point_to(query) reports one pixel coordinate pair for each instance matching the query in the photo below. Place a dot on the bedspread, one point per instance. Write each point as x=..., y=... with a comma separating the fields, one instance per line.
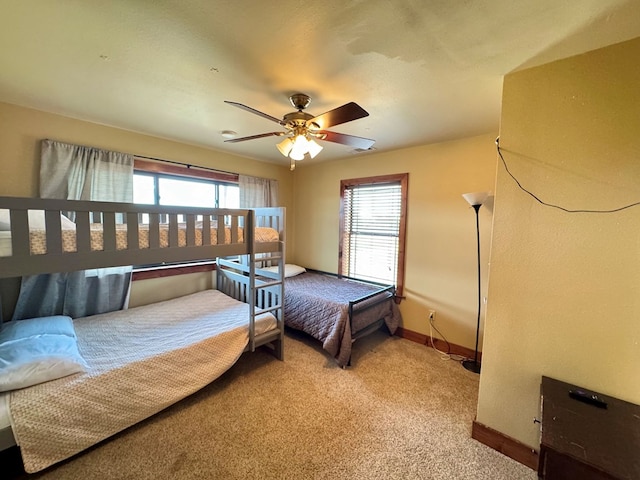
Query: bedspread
x=140, y=361
x=38, y=238
x=319, y=305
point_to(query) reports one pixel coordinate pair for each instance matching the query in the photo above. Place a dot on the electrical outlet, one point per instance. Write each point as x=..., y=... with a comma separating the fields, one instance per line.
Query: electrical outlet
x=432, y=315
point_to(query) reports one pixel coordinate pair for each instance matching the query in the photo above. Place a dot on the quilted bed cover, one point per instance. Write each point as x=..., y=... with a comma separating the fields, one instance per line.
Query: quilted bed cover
x=140, y=361
x=319, y=305
x=38, y=238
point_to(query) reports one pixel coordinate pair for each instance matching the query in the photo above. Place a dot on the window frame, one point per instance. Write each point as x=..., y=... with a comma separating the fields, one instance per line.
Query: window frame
x=403, y=180
x=150, y=167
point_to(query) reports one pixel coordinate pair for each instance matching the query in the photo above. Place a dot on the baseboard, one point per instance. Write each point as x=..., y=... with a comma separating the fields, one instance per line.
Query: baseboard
x=492, y=438
x=506, y=445
x=441, y=345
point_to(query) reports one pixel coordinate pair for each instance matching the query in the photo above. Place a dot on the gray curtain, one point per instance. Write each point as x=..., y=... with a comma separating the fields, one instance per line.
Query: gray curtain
x=75, y=172
x=257, y=192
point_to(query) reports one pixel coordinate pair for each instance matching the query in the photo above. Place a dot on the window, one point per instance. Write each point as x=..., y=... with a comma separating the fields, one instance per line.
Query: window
x=162, y=184
x=372, y=229
x=168, y=185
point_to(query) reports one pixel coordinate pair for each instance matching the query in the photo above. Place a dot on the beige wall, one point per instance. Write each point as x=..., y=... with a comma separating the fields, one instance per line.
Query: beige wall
x=441, y=271
x=154, y=290
x=563, y=288
x=21, y=130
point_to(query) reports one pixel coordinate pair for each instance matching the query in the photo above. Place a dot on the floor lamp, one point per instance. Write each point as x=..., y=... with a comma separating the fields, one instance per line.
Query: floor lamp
x=476, y=200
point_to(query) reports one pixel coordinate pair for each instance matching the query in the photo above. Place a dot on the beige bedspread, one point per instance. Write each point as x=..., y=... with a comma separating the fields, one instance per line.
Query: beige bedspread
x=140, y=361
x=38, y=238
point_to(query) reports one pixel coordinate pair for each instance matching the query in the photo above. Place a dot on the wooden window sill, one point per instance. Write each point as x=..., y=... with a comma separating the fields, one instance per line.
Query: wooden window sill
x=146, y=273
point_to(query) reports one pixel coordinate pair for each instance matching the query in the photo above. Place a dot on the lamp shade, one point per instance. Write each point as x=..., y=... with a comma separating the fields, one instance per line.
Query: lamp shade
x=314, y=148
x=300, y=147
x=285, y=146
x=476, y=198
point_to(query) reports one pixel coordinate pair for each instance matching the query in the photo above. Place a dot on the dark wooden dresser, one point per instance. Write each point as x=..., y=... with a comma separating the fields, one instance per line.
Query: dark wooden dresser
x=581, y=441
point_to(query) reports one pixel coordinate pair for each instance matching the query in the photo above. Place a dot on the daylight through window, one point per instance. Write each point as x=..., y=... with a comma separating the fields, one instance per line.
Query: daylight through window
x=373, y=228
x=168, y=185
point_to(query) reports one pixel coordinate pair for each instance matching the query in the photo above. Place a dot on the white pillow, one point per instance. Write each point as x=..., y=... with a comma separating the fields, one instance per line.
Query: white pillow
x=37, y=359
x=54, y=325
x=290, y=270
x=36, y=220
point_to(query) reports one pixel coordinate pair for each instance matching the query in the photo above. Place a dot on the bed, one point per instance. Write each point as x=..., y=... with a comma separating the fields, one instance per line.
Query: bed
x=337, y=311
x=141, y=360
x=39, y=238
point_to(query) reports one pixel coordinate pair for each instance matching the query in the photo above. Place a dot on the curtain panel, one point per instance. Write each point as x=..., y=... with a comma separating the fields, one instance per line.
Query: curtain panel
x=257, y=192
x=74, y=172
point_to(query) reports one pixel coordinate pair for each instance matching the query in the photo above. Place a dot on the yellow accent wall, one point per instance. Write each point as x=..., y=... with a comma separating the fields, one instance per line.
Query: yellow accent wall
x=21, y=130
x=564, y=288
x=441, y=252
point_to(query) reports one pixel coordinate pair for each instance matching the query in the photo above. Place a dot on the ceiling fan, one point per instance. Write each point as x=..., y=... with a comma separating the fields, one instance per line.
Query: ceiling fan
x=302, y=129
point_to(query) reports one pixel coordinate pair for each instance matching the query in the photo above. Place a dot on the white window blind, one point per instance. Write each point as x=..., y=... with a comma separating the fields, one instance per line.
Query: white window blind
x=372, y=231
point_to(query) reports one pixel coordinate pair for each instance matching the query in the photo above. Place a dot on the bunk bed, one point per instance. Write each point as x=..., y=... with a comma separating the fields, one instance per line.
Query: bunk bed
x=337, y=310
x=134, y=363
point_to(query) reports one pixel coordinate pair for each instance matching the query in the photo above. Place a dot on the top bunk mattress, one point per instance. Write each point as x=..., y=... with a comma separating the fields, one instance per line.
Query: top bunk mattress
x=38, y=238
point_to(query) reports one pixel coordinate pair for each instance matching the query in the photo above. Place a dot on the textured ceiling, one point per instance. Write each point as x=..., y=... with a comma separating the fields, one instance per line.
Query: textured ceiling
x=426, y=71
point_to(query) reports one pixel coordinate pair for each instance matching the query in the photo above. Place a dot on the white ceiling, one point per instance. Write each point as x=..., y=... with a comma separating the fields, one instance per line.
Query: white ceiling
x=426, y=71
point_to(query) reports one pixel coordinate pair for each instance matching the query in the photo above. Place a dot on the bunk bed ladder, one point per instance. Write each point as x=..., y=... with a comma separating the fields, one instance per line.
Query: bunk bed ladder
x=250, y=239
x=262, y=290
x=269, y=296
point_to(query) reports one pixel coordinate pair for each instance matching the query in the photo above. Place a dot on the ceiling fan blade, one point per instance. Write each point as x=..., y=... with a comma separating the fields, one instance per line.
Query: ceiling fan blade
x=350, y=140
x=253, y=137
x=346, y=113
x=254, y=111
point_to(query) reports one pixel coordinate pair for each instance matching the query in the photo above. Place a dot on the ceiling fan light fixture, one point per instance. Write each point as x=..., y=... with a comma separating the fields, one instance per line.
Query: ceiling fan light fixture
x=296, y=155
x=300, y=147
x=314, y=148
x=285, y=146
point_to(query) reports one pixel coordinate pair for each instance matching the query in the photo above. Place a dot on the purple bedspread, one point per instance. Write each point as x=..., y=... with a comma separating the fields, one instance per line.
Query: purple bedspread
x=319, y=305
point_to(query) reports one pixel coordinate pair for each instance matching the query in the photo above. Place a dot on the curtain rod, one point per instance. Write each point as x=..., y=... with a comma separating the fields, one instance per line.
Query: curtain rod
x=188, y=165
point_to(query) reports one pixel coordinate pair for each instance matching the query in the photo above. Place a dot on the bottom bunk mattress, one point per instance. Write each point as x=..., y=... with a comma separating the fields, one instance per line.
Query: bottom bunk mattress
x=318, y=304
x=140, y=361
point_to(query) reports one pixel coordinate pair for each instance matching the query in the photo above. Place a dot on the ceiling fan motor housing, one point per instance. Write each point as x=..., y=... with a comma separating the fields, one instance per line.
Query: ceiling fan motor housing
x=300, y=101
x=296, y=119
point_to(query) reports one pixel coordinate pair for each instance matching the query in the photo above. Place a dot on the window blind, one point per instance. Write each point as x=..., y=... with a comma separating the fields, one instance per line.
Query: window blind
x=372, y=231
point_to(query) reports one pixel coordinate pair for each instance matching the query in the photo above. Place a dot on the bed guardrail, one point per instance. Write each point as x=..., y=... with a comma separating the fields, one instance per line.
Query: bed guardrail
x=35, y=236
x=365, y=302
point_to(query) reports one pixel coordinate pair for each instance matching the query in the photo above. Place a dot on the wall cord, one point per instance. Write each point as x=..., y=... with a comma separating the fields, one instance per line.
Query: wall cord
x=567, y=210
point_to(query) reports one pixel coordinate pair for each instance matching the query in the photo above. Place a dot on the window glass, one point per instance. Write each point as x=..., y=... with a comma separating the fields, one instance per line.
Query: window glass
x=144, y=190
x=187, y=193
x=229, y=196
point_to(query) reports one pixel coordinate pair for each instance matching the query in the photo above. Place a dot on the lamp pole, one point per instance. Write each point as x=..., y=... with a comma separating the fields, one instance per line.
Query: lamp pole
x=476, y=200
x=474, y=365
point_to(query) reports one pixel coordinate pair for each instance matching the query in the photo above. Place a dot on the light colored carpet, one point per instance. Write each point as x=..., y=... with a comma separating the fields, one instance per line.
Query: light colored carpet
x=400, y=412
